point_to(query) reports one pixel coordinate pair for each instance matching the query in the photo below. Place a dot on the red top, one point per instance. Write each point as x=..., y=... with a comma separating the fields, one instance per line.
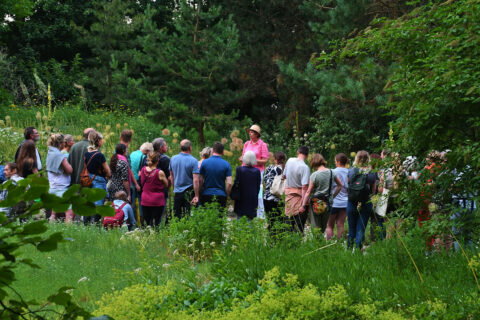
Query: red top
x=152, y=189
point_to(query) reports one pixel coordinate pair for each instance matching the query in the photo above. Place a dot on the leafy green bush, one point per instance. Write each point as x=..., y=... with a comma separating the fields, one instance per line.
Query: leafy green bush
x=198, y=235
x=277, y=296
x=33, y=193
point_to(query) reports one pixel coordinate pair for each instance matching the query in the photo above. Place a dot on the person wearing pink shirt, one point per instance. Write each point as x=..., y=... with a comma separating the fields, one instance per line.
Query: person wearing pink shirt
x=260, y=148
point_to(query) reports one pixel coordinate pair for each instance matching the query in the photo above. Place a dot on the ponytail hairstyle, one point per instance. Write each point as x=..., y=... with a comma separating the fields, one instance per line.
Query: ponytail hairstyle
x=153, y=158
x=94, y=138
x=55, y=140
x=119, y=150
x=361, y=159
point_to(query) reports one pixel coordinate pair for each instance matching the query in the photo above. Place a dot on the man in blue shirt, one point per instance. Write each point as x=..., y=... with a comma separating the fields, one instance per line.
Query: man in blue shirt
x=184, y=179
x=213, y=173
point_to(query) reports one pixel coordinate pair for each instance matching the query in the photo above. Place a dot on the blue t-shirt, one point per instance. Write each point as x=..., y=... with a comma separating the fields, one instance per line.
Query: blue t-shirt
x=214, y=171
x=183, y=166
x=136, y=159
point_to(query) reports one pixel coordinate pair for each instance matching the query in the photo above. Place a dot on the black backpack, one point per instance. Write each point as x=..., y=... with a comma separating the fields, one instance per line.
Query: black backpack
x=358, y=188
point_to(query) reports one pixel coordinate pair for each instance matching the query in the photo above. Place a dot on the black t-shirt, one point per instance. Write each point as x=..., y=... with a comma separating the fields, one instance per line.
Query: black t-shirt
x=96, y=163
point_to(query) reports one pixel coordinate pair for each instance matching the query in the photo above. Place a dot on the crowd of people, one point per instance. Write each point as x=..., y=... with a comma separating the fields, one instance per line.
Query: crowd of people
x=325, y=197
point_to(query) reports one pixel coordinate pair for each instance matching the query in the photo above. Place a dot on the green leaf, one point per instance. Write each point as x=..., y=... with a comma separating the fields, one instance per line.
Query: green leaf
x=72, y=191
x=105, y=211
x=35, y=192
x=50, y=200
x=51, y=243
x=61, y=207
x=87, y=209
x=94, y=194
x=61, y=298
x=35, y=227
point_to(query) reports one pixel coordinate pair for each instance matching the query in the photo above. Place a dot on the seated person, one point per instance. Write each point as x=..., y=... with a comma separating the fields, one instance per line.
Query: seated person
x=129, y=218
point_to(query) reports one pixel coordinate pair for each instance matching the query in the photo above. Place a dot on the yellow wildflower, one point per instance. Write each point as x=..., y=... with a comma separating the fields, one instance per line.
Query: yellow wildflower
x=332, y=146
x=227, y=153
x=2, y=123
x=44, y=118
x=174, y=140
x=175, y=135
x=98, y=125
x=38, y=115
x=118, y=126
x=125, y=124
x=353, y=154
x=166, y=132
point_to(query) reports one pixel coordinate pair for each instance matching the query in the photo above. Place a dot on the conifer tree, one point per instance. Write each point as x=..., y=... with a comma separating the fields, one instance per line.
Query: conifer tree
x=191, y=67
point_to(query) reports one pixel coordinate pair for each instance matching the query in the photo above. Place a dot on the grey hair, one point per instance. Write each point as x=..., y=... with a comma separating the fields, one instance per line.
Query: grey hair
x=147, y=146
x=158, y=143
x=249, y=158
x=68, y=137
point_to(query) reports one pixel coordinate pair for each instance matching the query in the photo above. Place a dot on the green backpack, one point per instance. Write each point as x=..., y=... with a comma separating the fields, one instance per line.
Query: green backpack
x=358, y=188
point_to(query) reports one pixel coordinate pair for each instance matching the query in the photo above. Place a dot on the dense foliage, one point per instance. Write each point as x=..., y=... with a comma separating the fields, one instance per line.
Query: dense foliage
x=201, y=63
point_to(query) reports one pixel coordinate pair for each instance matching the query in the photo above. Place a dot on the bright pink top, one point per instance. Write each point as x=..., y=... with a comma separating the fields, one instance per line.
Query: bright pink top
x=260, y=149
x=152, y=189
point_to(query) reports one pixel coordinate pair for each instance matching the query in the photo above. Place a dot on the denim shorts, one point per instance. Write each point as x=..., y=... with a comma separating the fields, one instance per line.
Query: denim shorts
x=334, y=211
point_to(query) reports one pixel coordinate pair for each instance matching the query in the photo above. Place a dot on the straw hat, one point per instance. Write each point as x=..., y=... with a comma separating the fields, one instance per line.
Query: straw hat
x=255, y=128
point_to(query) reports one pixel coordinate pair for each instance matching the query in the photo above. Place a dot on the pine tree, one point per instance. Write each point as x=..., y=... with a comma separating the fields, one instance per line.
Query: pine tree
x=191, y=67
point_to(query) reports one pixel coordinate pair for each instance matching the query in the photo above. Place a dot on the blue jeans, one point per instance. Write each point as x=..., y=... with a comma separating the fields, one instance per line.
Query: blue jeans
x=357, y=222
x=99, y=183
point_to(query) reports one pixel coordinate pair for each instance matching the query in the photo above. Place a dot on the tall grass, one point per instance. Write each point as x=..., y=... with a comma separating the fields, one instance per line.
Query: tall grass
x=73, y=119
x=95, y=261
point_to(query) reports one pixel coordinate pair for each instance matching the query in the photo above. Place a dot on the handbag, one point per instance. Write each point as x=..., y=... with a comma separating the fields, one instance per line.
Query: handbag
x=278, y=186
x=235, y=192
x=382, y=204
x=320, y=202
x=85, y=180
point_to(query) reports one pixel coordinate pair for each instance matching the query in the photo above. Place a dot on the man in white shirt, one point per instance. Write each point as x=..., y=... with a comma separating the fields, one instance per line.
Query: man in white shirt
x=297, y=174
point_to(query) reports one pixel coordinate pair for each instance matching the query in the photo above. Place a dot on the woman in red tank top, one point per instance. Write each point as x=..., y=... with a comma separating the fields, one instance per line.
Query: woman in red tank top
x=153, y=182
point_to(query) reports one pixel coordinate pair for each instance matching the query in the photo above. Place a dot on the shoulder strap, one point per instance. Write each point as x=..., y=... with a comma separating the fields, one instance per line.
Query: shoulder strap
x=90, y=159
x=123, y=205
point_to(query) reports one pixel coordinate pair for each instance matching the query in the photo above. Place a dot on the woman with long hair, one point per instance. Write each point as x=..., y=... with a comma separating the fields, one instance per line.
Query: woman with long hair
x=97, y=168
x=59, y=171
x=120, y=180
x=153, y=182
x=27, y=159
x=320, y=188
x=361, y=185
x=338, y=214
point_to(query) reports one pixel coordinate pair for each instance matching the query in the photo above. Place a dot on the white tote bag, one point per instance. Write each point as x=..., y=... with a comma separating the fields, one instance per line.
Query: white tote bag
x=278, y=186
x=381, y=208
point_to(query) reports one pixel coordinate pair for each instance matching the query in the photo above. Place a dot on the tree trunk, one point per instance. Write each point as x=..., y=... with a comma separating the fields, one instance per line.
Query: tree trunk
x=201, y=135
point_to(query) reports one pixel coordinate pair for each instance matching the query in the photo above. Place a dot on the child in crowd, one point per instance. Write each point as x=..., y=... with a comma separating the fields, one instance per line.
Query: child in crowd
x=120, y=199
x=10, y=173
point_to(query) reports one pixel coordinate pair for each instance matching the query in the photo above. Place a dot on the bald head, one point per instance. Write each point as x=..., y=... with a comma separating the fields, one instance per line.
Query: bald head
x=86, y=132
x=185, y=146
